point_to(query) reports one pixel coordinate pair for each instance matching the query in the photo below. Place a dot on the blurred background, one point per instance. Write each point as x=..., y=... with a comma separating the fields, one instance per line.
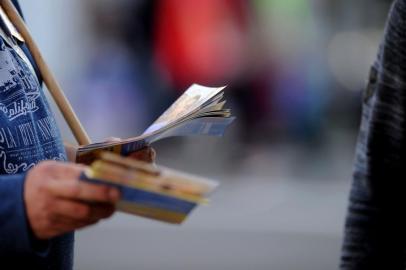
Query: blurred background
x=295, y=71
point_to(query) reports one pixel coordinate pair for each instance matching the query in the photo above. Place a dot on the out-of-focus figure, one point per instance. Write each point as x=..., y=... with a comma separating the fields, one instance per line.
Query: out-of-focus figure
x=201, y=41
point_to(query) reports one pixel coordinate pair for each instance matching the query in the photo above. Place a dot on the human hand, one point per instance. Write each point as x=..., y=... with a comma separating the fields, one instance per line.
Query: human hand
x=71, y=151
x=146, y=154
x=57, y=202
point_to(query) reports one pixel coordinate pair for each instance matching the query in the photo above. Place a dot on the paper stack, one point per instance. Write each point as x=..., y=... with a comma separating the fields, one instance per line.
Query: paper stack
x=199, y=111
x=150, y=191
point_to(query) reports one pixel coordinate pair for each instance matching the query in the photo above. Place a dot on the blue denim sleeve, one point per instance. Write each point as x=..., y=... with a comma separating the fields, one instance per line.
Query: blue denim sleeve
x=16, y=237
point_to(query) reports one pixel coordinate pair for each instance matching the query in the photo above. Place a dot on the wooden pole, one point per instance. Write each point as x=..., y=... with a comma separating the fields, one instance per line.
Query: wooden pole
x=49, y=79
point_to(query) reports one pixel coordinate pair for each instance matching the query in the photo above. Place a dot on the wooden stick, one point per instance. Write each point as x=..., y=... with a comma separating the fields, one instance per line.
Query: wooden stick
x=49, y=79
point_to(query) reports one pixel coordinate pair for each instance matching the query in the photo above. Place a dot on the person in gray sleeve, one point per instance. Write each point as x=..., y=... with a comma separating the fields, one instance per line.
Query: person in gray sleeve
x=375, y=230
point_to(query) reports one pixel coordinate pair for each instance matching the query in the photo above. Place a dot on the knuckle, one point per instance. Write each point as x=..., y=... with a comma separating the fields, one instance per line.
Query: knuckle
x=60, y=169
x=45, y=187
x=91, y=191
x=75, y=190
x=99, y=192
x=69, y=171
x=103, y=192
x=48, y=165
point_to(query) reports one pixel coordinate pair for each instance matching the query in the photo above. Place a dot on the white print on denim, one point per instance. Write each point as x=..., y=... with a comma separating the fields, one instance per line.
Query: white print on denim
x=22, y=140
x=28, y=132
x=19, y=88
x=11, y=168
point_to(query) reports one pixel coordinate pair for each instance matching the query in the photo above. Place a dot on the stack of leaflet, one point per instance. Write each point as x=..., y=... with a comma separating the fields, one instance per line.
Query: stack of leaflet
x=199, y=111
x=149, y=191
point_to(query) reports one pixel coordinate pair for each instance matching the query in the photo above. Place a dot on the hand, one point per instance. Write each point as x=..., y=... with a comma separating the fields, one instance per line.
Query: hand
x=146, y=154
x=71, y=151
x=57, y=202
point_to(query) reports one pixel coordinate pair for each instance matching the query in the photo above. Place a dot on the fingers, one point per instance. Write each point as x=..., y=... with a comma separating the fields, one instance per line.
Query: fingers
x=146, y=154
x=81, y=213
x=69, y=216
x=78, y=190
x=71, y=151
x=112, y=139
x=60, y=170
x=59, y=226
x=66, y=185
x=101, y=211
x=62, y=225
x=58, y=202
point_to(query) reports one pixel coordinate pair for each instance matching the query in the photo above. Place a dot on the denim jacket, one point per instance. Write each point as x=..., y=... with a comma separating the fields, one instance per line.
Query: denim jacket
x=28, y=135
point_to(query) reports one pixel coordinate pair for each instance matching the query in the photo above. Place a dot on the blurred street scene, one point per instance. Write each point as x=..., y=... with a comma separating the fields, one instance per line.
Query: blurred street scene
x=295, y=71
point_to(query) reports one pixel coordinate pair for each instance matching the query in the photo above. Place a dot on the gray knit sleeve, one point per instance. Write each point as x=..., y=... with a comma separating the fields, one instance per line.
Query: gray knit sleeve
x=375, y=230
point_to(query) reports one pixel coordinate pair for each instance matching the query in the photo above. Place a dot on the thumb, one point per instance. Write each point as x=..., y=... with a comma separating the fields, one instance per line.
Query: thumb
x=112, y=139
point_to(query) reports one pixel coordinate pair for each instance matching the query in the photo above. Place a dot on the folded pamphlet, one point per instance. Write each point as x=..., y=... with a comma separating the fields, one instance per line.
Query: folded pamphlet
x=199, y=111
